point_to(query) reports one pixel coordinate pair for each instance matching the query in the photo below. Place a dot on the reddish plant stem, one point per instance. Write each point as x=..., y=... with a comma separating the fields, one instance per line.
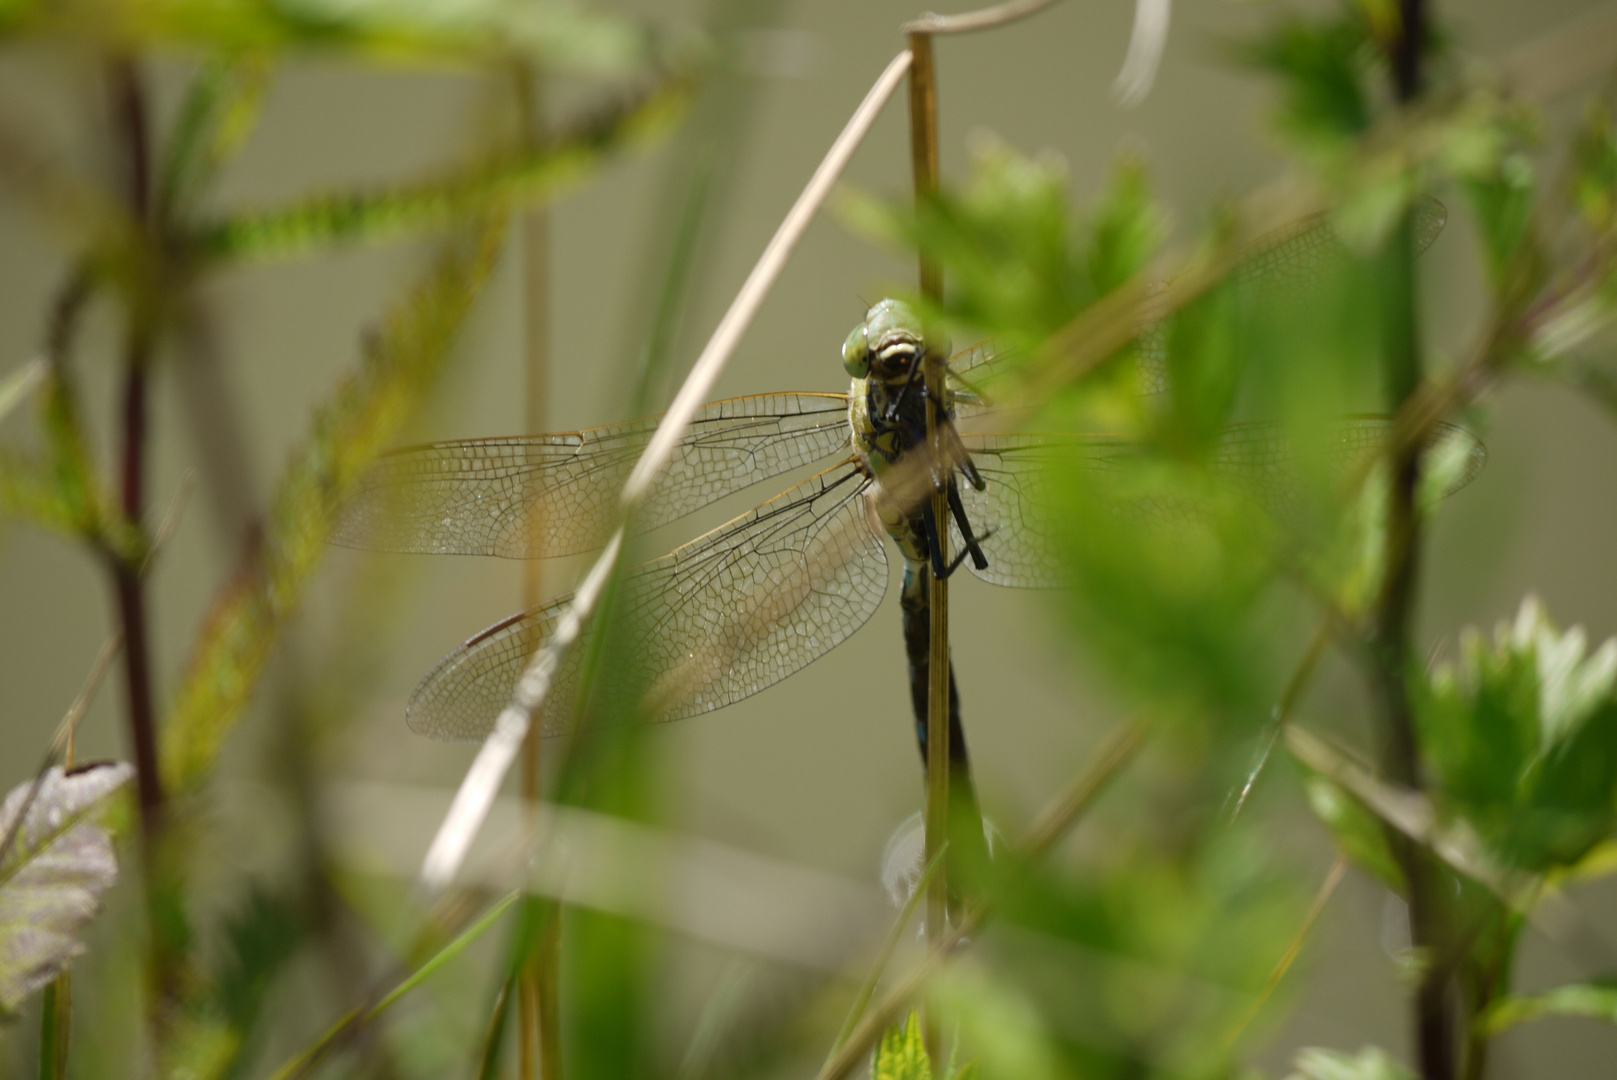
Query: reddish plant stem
x=129, y=115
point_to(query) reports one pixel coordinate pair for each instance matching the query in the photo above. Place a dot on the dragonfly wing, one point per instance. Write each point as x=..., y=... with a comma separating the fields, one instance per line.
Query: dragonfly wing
x=1281, y=263
x=716, y=620
x=759, y=599
x=1019, y=542
x=1260, y=455
x=543, y=495
x=1009, y=513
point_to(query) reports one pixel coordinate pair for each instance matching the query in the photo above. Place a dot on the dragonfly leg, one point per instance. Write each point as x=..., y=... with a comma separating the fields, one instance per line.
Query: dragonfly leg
x=962, y=456
x=945, y=571
x=973, y=543
x=934, y=539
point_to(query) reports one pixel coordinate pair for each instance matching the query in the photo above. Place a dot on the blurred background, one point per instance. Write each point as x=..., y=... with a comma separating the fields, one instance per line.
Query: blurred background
x=792, y=771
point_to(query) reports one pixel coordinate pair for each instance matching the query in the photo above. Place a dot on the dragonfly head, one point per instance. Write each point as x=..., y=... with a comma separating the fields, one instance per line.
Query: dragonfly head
x=887, y=346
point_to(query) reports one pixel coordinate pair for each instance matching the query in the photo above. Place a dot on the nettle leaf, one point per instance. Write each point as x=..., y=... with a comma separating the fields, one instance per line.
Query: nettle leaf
x=1592, y=1000
x=59, y=862
x=1020, y=262
x=1323, y=70
x=902, y=1054
x=1522, y=738
x=1371, y=1063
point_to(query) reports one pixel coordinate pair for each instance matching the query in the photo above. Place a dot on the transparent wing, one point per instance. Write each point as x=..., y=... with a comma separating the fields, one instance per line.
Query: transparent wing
x=1009, y=513
x=1281, y=262
x=543, y=495
x=716, y=620
x=1018, y=469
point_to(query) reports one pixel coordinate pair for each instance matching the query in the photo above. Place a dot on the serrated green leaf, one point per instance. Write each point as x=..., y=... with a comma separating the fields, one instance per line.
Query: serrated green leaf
x=558, y=36
x=1371, y=1063
x=1322, y=71
x=522, y=177
x=901, y=1055
x=1020, y=262
x=1521, y=735
x=363, y=416
x=1593, y=1000
x=58, y=863
x=220, y=109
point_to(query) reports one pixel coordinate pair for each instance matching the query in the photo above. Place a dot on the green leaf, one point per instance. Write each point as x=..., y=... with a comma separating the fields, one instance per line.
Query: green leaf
x=516, y=177
x=901, y=1054
x=1357, y=829
x=29, y=492
x=1521, y=736
x=359, y=423
x=1322, y=68
x=561, y=37
x=220, y=110
x=59, y=861
x=1593, y=1000
x=1371, y=1063
x=1502, y=202
x=1020, y=263
x=1594, y=164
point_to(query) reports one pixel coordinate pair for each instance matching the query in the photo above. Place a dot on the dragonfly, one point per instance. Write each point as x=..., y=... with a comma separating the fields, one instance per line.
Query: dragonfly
x=760, y=597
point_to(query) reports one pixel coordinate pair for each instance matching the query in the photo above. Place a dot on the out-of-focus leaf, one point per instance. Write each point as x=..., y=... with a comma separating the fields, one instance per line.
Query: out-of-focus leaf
x=1148, y=960
x=28, y=492
x=1358, y=831
x=1503, y=206
x=1593, y=1000
x=1594, y=176
x=1021, y=265
x=1323, y=68
x=1521, y=738
x=59, y=862
x=992, y=1018
x=1371, y=1063
x=347, y=435
x=218, y=1030
x=520, y=177
x=220, y=109
x=1413, y=814
x=1170, y=561
x=561, y=37
x=901, y=1055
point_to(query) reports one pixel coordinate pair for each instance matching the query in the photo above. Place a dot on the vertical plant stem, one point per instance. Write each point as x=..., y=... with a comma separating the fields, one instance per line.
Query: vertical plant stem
x=130, y=120
x=924, y=152
x=1434, y=1020
x=54, y=1022
x=538, y=1023
x=924, y=161
x=126, y=563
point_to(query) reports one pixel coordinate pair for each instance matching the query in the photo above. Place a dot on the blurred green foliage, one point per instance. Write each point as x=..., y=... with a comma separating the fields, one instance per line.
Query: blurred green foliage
x=1229, y=444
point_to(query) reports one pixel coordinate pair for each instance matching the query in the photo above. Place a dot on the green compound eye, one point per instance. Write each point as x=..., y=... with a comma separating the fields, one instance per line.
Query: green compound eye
x=856, y=353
